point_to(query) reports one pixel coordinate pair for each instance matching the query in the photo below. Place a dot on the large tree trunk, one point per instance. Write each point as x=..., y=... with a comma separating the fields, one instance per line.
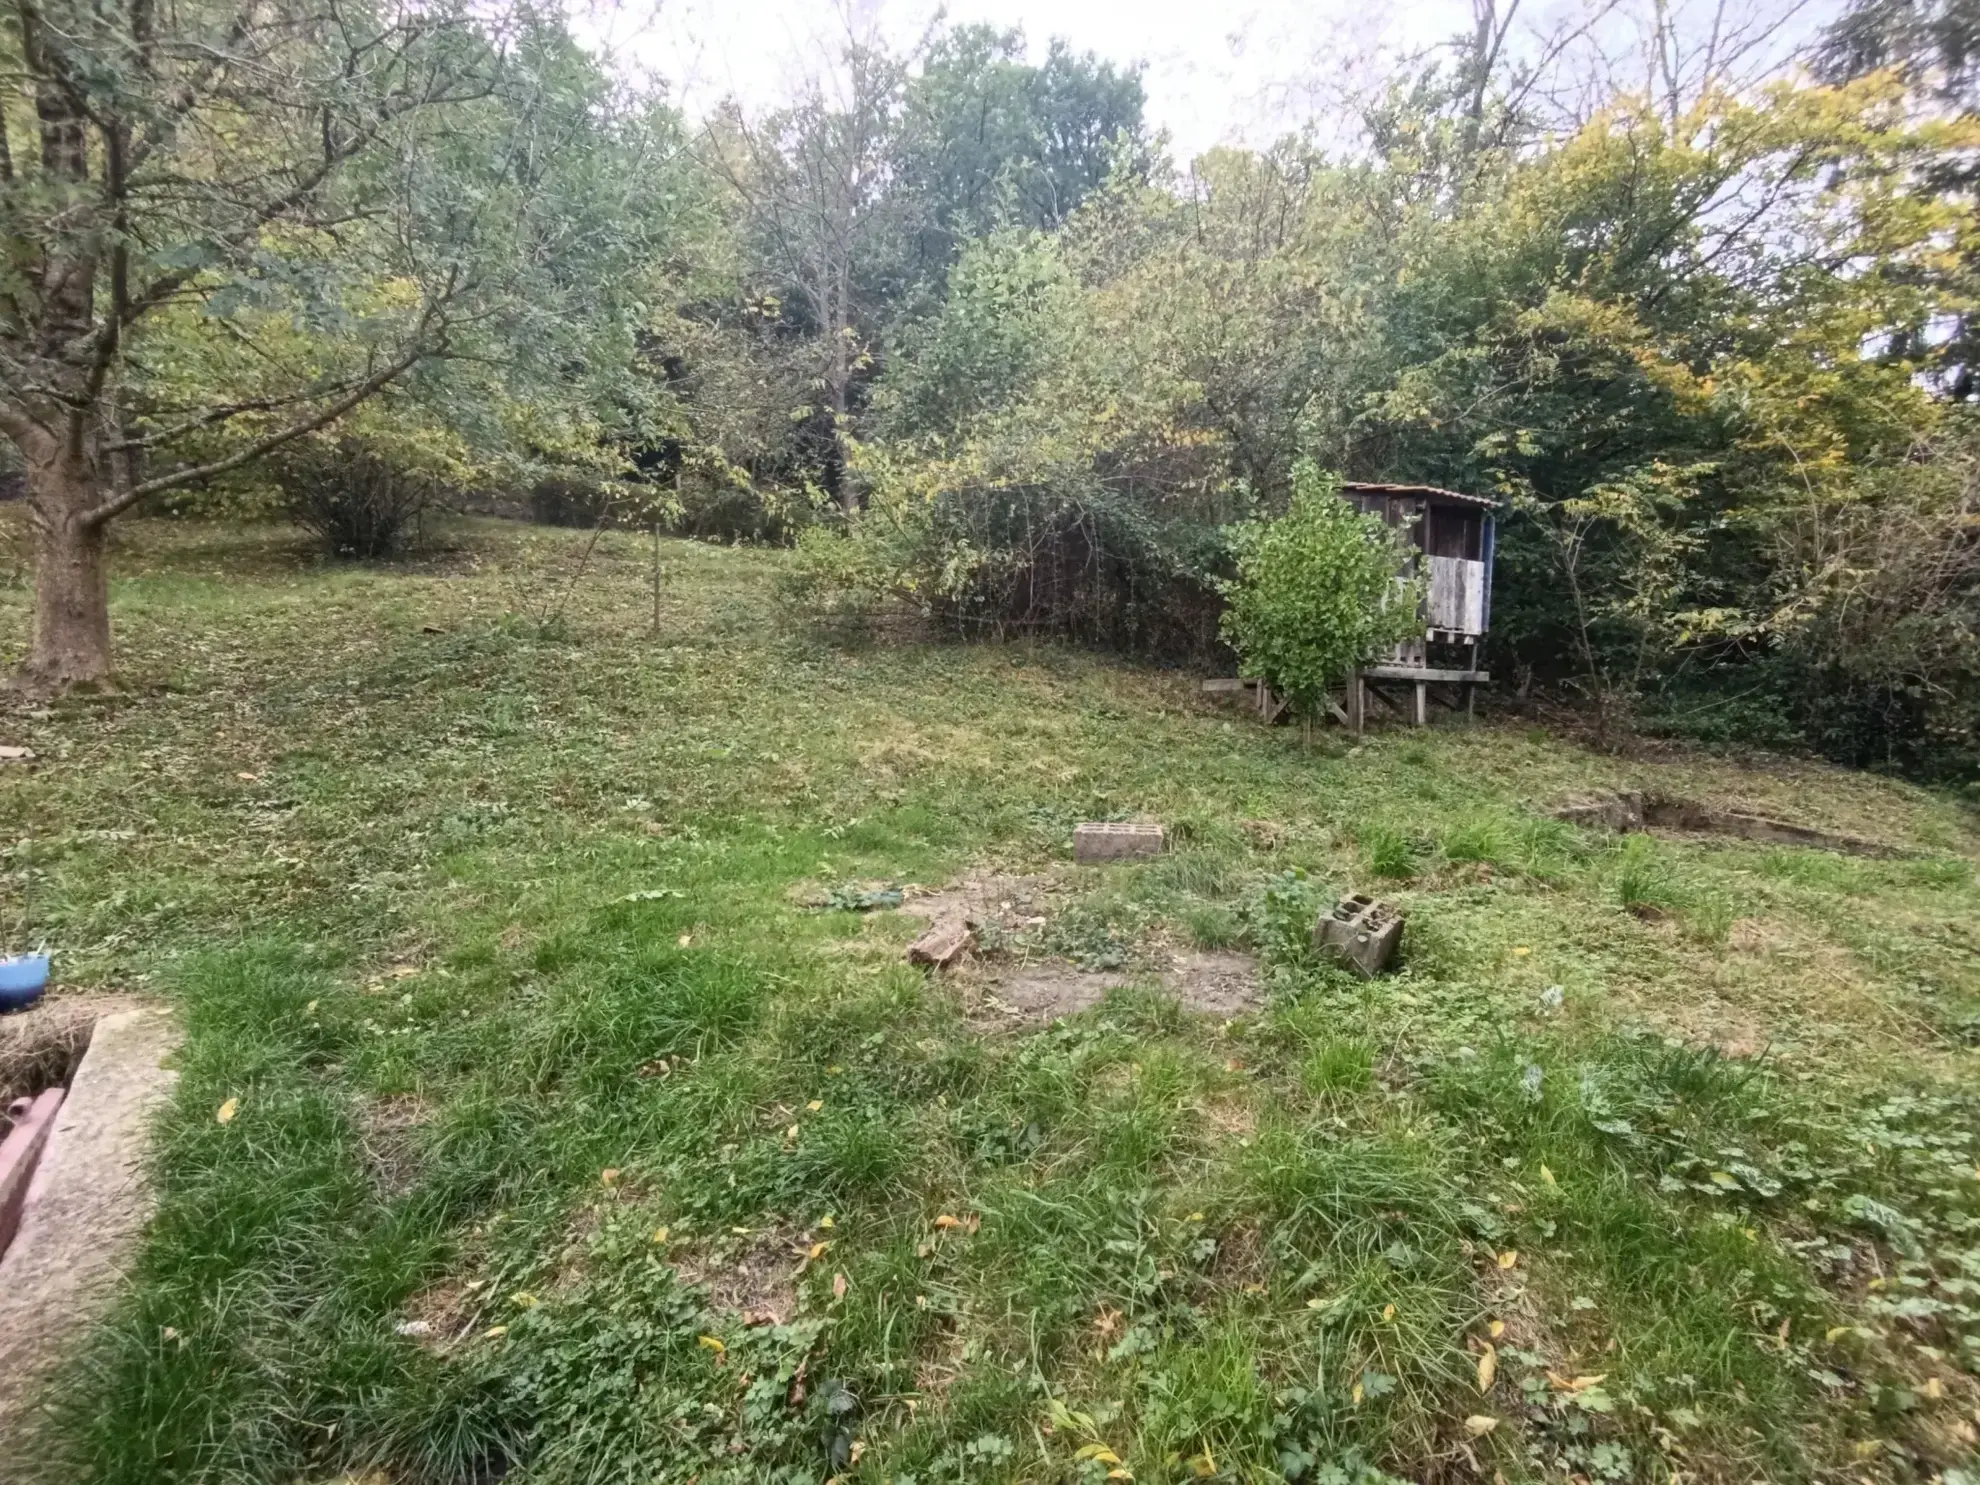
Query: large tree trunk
x=71, y=582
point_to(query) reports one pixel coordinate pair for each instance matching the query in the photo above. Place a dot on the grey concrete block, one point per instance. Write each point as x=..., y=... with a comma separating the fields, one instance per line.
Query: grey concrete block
x=1360, y=932
x=1096, y=841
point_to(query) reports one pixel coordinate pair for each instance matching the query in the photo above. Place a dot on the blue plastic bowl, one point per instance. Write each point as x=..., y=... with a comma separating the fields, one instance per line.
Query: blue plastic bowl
x=22, y=979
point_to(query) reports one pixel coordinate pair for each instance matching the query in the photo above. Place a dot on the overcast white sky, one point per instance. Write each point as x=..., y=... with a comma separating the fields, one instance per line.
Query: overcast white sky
x=1214, y=71
x=1240, y=71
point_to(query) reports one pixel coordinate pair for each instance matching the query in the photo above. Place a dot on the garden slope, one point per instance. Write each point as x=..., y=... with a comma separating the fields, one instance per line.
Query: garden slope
x=584, y=1134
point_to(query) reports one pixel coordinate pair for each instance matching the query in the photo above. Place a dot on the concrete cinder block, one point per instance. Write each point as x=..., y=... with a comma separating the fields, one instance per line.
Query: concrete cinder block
x=1360, y=932
x=1096, y=841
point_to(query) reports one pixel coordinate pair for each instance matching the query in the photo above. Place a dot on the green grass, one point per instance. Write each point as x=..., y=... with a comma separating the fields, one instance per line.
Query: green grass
x=518, y=945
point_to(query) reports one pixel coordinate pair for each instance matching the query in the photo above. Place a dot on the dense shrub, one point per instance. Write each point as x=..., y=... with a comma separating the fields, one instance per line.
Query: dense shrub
x=360, y=500
x=559, y=501
x=1316, y=592
x=1064, y=560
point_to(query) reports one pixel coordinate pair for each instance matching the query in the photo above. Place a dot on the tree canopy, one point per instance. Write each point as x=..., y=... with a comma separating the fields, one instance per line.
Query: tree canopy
x=1696, y=311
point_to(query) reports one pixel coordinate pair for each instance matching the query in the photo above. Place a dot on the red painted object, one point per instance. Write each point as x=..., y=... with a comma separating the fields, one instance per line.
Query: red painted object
x=20, y=1153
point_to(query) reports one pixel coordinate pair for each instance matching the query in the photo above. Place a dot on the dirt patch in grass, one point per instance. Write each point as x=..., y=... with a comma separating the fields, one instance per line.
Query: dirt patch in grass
x=754, y=1276
x=1036, y=993
x=445, y=1315
x=1630, y=810
x=1010, y=903
x=1221, y=984
x=389, y=1132
x=1217, y=982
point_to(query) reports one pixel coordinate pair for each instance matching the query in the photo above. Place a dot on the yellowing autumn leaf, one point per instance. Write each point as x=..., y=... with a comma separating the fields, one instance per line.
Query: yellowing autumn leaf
x=1488, y=1368
x=825, y=1221
x=1097, y=1451
x=522, y=1299
x=227, y=1111
x=946, y=1221
x=1509, y=1258
x=815, y=1105
x=1496, y=1329
x=1522, y=951
x=1934, y=1388
x=494, y=1332
x=1357, y=1394
x=1120, y=1472
x=659, y=1234
x=1388, y=1313
x=1480, y=1424
x=711, y=1343
x=609, y=1176
x=817, y=1252
x=1548, y=1176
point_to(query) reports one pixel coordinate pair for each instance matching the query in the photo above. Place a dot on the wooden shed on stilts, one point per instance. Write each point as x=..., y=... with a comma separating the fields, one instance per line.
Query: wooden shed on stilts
x=1454, y=537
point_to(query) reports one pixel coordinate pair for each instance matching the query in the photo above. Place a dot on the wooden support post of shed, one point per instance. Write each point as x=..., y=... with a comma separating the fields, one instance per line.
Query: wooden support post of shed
x=1419, y=711
x=1357, y=703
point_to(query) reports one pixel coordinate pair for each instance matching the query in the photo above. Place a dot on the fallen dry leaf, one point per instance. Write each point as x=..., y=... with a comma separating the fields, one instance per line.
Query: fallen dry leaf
x=1509, y=1258
x=1488, y=1368
x=609, y=1176
x=227, y=1111
x=1480, y=1424
x=1496, y=1329
x=838, y=1286
x=945, y=1221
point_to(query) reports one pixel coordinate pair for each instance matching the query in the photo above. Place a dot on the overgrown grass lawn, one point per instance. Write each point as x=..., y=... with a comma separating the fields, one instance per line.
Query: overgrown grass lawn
x=587, y=1130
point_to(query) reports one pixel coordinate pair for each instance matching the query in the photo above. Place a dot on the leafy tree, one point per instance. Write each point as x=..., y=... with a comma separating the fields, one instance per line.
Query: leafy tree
x=814, y=181
x=241, y=223
x=989, y=141
x=1317, y=593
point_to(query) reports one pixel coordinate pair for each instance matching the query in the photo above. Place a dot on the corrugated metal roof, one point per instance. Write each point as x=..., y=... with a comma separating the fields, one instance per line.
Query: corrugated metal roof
x=1429, y=492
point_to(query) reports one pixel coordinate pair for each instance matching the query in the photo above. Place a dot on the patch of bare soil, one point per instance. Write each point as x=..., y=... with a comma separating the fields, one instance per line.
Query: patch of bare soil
x=388, y=1130
x=754, y=1276
x=1632, y=810
x=991, y=900
x=1217, y=982
x=1037, y=992
x=443, y=1316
